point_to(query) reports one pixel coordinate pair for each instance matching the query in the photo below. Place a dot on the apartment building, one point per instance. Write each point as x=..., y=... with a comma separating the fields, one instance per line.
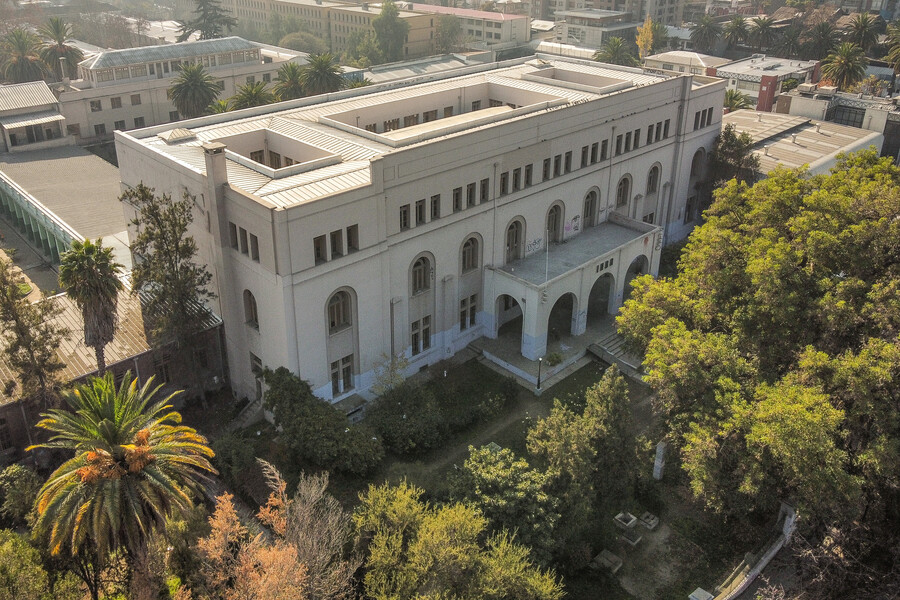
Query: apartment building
x=128, y=89
x=592, y=27
x=669, y=12
x=483, y=28
x=759, y=77
x=416, y=218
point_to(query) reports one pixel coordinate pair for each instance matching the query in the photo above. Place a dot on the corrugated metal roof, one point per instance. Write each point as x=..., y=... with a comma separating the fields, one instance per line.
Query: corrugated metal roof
x=39, y=118
x=145, y=54
x=25, y=95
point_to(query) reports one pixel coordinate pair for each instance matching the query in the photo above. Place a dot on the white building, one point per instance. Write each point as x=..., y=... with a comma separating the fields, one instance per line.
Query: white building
x=417, y=218
x=30, y=118
x=127, y=89
x=683, y=61
x=593, y=27
x=759, y=77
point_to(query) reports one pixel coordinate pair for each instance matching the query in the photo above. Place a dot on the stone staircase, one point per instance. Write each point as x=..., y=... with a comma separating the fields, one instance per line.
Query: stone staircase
x=611, y=348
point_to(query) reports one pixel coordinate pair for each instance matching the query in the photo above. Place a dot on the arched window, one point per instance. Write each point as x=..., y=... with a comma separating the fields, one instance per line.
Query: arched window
x=470, y=255
x=653, y=181
x=554, y=224
x=251, y=316
x=339, y=315
x=623, y=191
x=590, y=209
x=697, y=164
x=513, y=241
x=421, y=276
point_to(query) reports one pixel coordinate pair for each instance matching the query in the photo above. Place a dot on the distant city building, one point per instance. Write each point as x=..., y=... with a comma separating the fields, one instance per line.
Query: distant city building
x=30, y=118
x=484, y=28
x=760, y=77
x=683, y=61
x=593, y=27
x=128, y=89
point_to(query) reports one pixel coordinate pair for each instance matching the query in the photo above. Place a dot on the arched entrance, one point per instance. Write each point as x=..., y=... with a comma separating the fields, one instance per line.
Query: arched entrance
x=515, y=241
x=563, y=317
x=639, y=266
x=554, y=224
x=600, y=299
x=509, y=318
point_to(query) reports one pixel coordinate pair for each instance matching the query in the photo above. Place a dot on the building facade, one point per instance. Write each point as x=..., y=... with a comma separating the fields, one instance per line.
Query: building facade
x=759, y=77
x=414, y=219
x=30, y=118
x=128, y=89
x=593, y=28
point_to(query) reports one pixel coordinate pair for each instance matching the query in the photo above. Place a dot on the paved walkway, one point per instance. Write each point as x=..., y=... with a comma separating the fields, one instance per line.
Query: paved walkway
x=40, y=273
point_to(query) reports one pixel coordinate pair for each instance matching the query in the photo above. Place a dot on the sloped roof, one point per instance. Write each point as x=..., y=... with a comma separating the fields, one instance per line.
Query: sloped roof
x=145, y=54
x=25, y=95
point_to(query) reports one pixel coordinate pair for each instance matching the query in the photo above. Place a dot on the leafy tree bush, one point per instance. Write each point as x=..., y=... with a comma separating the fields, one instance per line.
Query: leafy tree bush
x=19, y=486
x=314, y=431
x=21, y=575
x=409, y=419
x=235, y=454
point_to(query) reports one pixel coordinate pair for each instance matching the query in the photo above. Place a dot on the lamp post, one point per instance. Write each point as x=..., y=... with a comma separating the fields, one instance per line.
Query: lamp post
x=540, y=362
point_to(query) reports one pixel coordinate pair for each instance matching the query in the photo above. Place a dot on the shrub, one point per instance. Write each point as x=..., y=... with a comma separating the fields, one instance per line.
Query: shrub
x=554, y=358
x=235, y=454
x=409, y=419
x=19, y=487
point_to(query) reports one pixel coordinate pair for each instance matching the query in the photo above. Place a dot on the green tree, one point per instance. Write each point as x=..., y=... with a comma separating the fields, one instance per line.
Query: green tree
x=735, y=100
x=302, y=41
x=845, y=66
x=250, y=95
x=193, y=90
x=616, y=52
x=289, y=82
x=863, y=31
x=790, y=42
x=19, y=487
x=321, y=75
x=363, y=50
x=90, y=275
x=822, y=40
x=20, y=57
x=390, y=32
x=31, y=338
x=705, y=33
x=660, y=36
x=736, y=31
x=511, y=495
x=893, y=43
x=762, y=31
x=447, y=34
x=134, y=465
x=732, y=156
x=219, y=107
x=414, y=549
x=22, y=577
x=173, y=286
x=57, y=45
x=211, y=20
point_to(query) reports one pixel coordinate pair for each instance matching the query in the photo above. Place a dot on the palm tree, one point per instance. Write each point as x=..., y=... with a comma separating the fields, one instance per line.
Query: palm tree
x=193, y=90
x=822, y=40
x=736, y=31
x=893, y=34
x=20, y=59
x=321, y=75
x=705, y=33
x=616, y=52
x=57, y=36
x=791, y=42
x=252, y=94
x=660, y=36
x=734, y=100
x=134, y=466
x=219, y=106
x=289, y=83
x=90, y=276
x=863, y=31
x=762, y=31
x=845, y=66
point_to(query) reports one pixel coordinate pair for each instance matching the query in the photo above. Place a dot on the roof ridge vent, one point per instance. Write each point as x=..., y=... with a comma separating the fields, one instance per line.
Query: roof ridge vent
x=179, y=134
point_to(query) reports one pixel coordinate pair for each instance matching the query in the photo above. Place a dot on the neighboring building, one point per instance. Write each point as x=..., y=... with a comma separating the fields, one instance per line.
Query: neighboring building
x=592, y=27
x=759, y=77
x=30, y=118
x=484, y=28
x=128, y=89
x=346, y=19
x=414, y=219
x=785, y=140
x=682, y=61
x=881, y=115
x=429, y=66
x=679, y=38
x=669, y=12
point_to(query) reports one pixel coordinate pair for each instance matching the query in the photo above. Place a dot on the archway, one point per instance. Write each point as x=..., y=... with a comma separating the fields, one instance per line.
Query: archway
x=554, y=224
x=639, y=266
x=509, y=319
x=562, y=320
x=515, y=241
x=600, y=299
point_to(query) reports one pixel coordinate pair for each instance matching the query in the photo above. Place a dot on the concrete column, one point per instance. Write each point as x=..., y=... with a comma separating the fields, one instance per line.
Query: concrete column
x=448, y=328
x=579, y=319
x=534, y=330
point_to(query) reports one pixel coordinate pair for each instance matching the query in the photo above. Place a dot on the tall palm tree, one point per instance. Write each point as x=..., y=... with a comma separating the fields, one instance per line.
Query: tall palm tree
x=90, y=276
x=20, y=59
x=252, y=94
x=616, y=52
x=736, y=31
x=845, y=66
x=705, y=33
x=193, y=90
x=735, y=100
x=660, y=36
x=762, y=30
x=893, y=34
x=134, y=466
x=790, y=43
x=57, y=45
x=863, y=31
x=321, y=75
x=822, y=40
x=289, y=82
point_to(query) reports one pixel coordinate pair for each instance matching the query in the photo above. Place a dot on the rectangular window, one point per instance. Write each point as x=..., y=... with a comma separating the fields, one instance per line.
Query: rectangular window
x=274, y=160
x=618, y=144
x=267, y=77
x=649, y=218
x=342, y=375
x=392, y=124
x=426, y=332
x=546, y=172
x=115, y=102
x=528, y=169
x=470, y=195
x=448, y=111
x=173, y=115
x=628, y=142
x=429, y=115
x=242, y=237
x=650, y=133
x=468, y=309
x=637, y=138
x=657, y=132
x=436, y=207
x=119, y=125
x=595, y=147
x=404, y=217
x=254, y=247
x=504, y=183
x=251, y=80
x=696, y=120
x=135, y=99
x=420, y=212
x=666, y=129
x=352, y=238
x=476, y=105
x=96, y=106
x=161, y=364
x=457, y=199
x=517, y=179
x=568, y=162
x=690, y=209
x=318, y=249
x=258, y=156
x=138, y=122
x=485, y=190
x=100, y=129
x=604, y=150
x=415, y=337
x=337, y=243
x=233, y=235
x=557, y=165
x=584, y=156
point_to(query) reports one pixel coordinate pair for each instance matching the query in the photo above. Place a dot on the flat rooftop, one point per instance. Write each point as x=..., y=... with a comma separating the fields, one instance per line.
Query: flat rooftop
x=593, y=243
x=80, y=188
x=465, y=13
x=759, y=64
x=685, y=57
